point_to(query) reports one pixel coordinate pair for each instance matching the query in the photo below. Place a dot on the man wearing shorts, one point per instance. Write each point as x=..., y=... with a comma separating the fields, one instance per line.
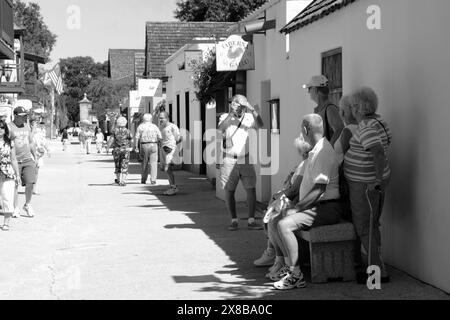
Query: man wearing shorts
x=319, y=200
x=235, y=127
x=171, y=138
x=22, y=138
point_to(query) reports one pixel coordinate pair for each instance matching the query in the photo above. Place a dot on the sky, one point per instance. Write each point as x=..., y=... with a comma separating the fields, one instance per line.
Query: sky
x=103, y=24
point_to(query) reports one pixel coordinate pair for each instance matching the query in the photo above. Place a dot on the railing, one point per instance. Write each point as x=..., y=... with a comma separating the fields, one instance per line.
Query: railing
x=7, y=22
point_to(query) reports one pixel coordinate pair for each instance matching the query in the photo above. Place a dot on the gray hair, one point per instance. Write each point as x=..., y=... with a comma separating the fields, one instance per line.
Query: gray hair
x=314, y=123
x=148, y=117
x=365, y=101
x=302, y=146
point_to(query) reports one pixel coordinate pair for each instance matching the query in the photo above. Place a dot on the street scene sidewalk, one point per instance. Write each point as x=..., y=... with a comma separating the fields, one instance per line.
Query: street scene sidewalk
x=94, y=240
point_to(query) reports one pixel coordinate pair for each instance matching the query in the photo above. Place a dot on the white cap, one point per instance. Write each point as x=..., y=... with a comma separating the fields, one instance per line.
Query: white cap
x=317, y=81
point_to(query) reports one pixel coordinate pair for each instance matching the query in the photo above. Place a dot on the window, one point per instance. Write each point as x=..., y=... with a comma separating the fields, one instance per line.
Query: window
x=178, y=110
x=188, y=118
x=275, y=116
x=332, y=69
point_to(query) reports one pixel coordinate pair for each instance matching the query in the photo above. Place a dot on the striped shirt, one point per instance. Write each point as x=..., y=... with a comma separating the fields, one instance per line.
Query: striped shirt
x=359, y=163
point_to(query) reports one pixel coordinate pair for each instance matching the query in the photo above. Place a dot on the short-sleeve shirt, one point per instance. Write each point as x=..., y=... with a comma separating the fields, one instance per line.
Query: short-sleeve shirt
x=6, y=168
x=122, y=138
x=321, y=167
x=148, y=132
x=22, y=141
x=238, y=135
x=359, y=164
x=170, y=135
x=323, y=111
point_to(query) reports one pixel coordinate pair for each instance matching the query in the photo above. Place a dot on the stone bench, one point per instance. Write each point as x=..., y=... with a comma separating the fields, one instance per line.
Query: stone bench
x=331, y=252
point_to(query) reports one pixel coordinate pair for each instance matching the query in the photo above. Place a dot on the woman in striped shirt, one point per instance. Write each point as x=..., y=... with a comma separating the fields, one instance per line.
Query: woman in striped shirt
x=367, y=171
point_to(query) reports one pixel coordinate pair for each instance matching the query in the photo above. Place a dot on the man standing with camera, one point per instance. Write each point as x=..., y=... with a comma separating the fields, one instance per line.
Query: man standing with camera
x=235, y=127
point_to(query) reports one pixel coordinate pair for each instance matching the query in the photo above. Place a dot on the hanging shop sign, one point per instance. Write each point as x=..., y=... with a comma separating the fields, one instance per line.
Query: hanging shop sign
x=235, y=54
x=150, y=88
x=192, y=58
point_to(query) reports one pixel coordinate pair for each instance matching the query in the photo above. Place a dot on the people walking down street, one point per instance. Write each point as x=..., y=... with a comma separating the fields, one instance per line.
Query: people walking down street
x=99, y=139
x=367, y=171
x=235, y=127
x=82, y=139
x=171, y=138
x=42, y=149
x=21, y=137
x=89, y=137
x=319, y=91
x=9, y=175
x=147, y=138
x=121, y=142
x=65, y=139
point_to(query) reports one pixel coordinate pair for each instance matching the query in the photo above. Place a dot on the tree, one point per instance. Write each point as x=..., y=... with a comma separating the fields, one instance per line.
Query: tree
x=106, y=96
x=38, y=39
x=215, y=10
x=78, y=73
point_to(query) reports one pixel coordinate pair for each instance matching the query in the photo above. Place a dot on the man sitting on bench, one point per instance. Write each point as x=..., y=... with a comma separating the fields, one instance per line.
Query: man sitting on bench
x=319, y=200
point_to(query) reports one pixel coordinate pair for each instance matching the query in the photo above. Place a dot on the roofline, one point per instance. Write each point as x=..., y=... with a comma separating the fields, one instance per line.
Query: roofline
x=295, y=26
x=188, y=46
x=252, y=15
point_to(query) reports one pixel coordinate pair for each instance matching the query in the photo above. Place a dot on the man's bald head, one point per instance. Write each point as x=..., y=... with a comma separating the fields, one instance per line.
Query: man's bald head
x=313, y=127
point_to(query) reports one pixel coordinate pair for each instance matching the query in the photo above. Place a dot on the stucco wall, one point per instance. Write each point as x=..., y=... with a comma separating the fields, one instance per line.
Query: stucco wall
x=407, y=64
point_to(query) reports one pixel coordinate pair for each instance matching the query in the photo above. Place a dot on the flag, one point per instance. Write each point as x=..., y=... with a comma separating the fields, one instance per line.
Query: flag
x=54, y=77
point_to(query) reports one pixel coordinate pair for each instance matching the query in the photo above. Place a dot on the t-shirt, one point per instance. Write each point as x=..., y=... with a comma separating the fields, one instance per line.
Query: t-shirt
x=359, y=165
x=338, y=145
x=122, y=138
x=22, y=141
x=148, y=132
x=170, y=134
x=238, y=137
x=321, y=167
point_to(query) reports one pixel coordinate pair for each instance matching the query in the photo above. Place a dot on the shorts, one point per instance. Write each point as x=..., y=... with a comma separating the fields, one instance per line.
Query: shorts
x=231, y=172
x=27, y=171
x=167, y=156
x=323, y=214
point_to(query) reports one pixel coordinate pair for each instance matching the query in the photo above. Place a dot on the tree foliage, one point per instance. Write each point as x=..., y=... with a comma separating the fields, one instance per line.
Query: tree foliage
x=106, y=95
x=203, y=75
x=38, y=39
x=78, y=73
x=215, y=10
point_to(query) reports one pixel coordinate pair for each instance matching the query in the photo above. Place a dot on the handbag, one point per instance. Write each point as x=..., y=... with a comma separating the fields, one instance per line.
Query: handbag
x=225, y=140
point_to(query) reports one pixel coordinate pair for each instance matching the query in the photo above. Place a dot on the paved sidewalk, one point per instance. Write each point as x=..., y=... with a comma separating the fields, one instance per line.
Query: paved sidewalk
x=94, y=240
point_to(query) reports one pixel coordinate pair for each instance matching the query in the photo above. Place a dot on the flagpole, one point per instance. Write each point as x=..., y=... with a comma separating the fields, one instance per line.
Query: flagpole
x=52, y=99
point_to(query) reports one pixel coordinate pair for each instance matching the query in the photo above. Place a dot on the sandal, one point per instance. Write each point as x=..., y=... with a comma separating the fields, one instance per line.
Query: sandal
x=123, y=184
x=5, y=228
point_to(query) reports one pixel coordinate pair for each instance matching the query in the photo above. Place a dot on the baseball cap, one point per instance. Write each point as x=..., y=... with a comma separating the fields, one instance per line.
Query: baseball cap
x=317, y=81
x=20, y=111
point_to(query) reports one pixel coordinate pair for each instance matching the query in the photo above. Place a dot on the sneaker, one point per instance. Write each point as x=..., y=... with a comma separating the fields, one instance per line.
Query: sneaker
x=29, y=211
x=255, y=226
x=16, y=214
x=172, y=191
x=266, y=260
x=234, y=226
x=280, y=274
x=290, y=281
x=275, y=269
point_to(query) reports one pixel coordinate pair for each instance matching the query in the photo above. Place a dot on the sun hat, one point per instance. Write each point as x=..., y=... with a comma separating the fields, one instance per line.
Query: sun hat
x=317, y=81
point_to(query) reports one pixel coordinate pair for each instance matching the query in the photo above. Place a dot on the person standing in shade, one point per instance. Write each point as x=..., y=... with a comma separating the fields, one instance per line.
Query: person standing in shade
x=121, y=142
x=319, y=91
x=171, y=138
x=146, y=143
x=20, y=133
x=235, y=127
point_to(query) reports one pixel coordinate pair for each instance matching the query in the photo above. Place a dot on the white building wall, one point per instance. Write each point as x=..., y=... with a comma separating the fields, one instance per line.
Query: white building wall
x=407, y=64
